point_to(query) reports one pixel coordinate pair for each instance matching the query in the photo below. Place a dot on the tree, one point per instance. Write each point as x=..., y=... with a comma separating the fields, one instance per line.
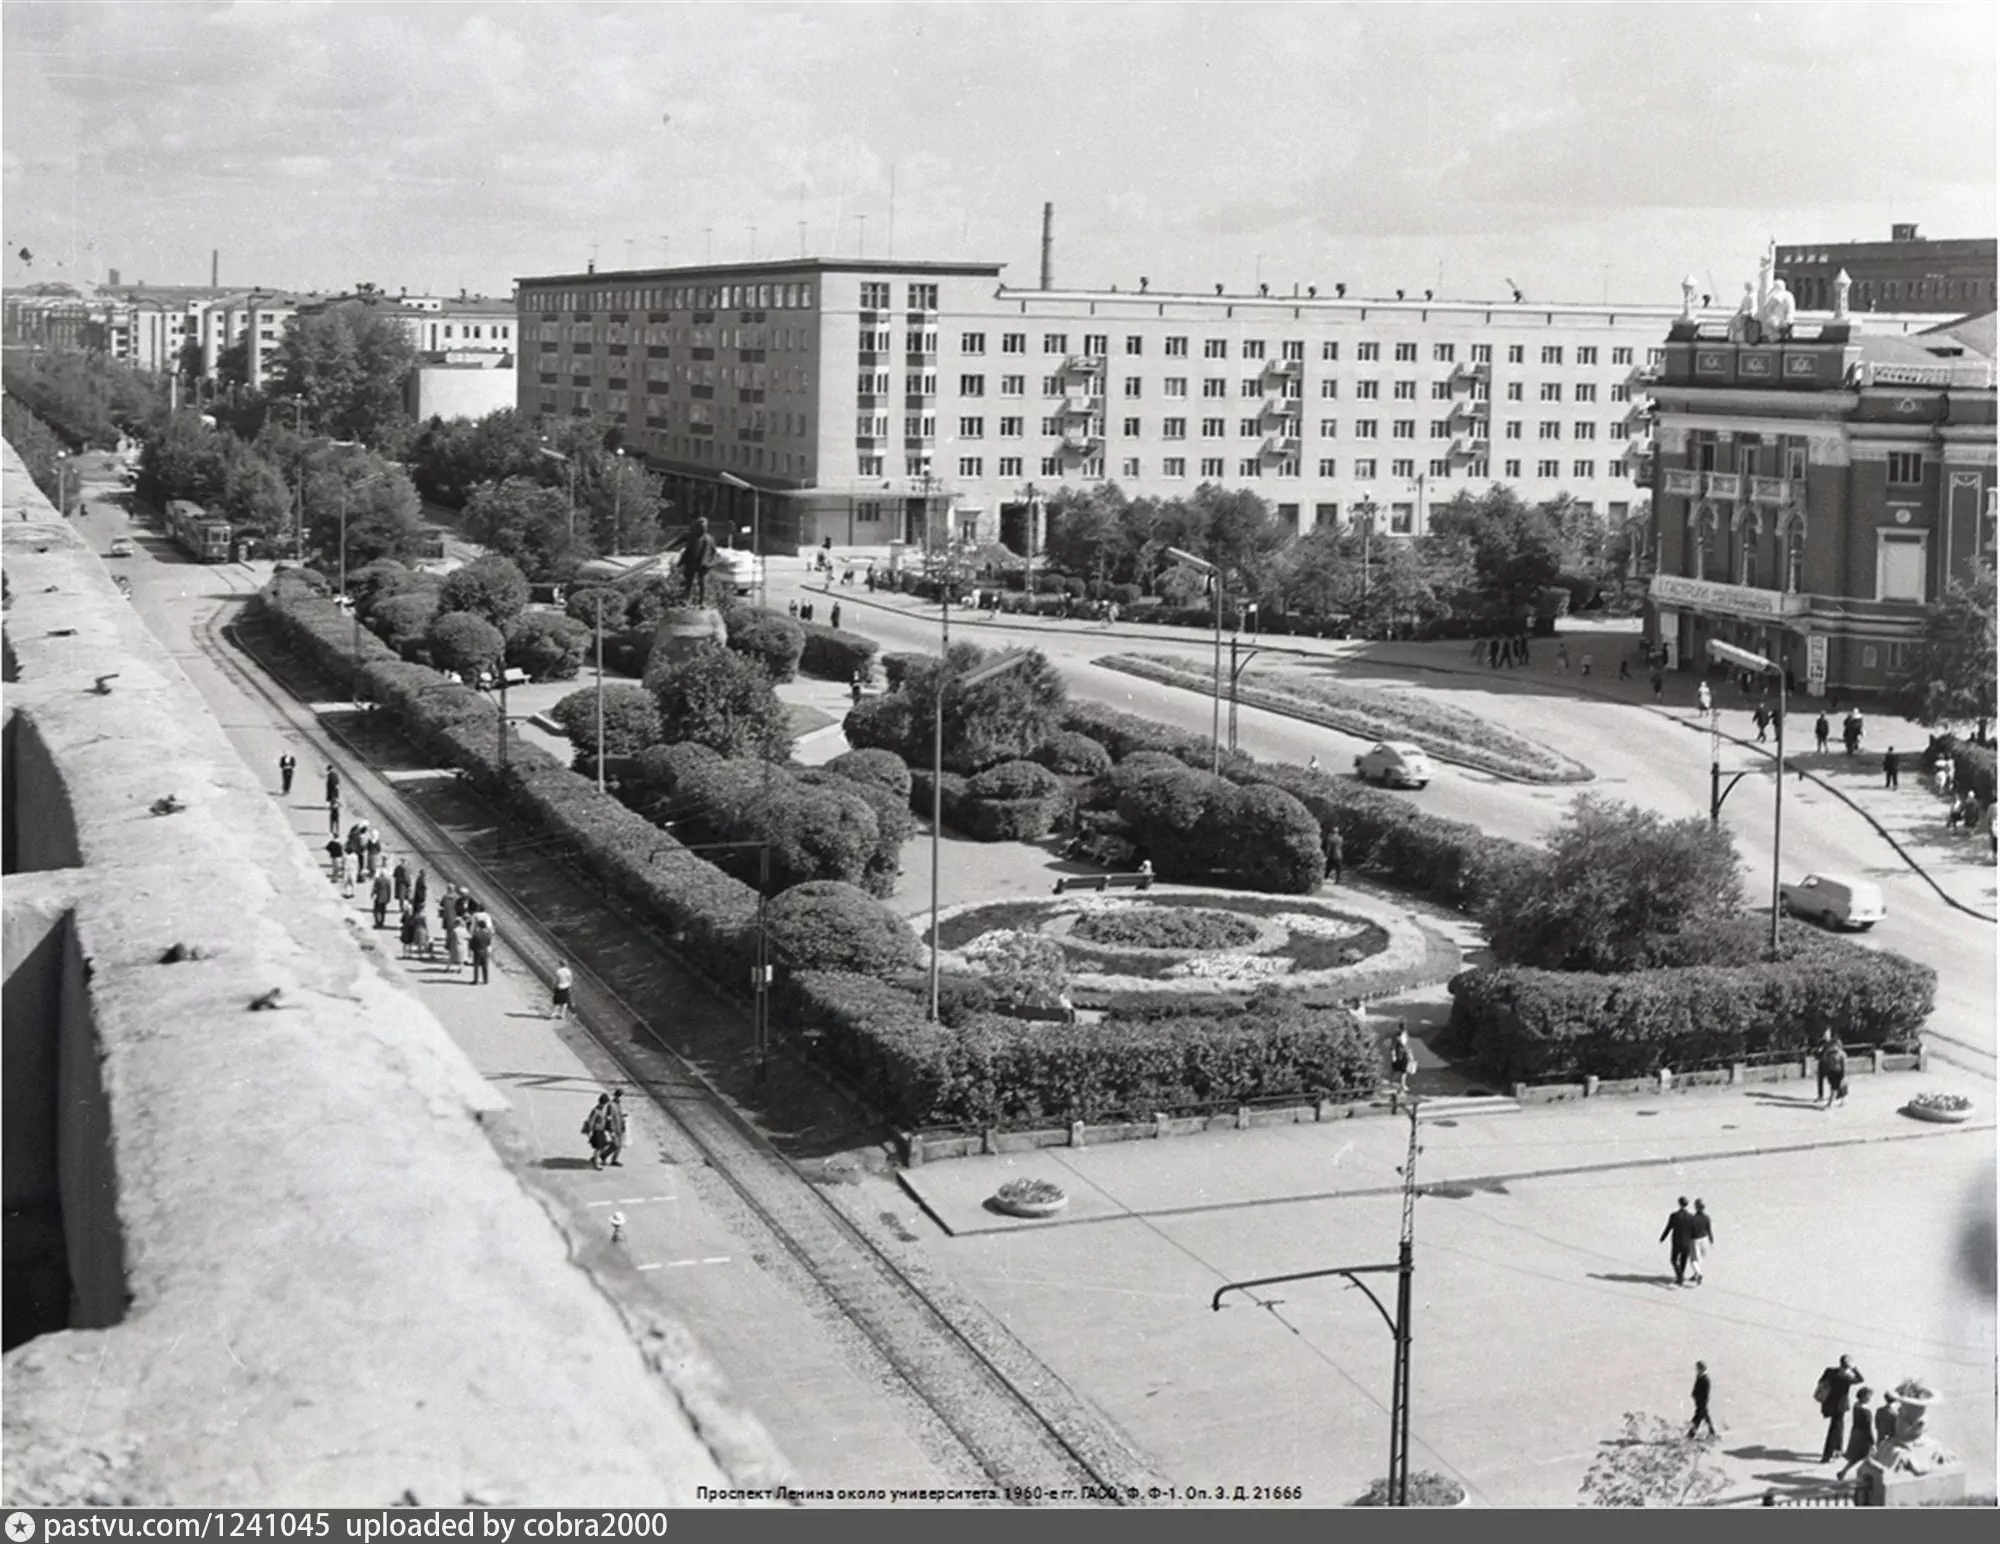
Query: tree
x=381, y=506
x=186, y=460
x=448, y=459
x=721, y=699
x=529, y=522
x=1951, y=680
x=1653, y=1462
x=490, y=587
x=232, y=364
x=466, y=643
x=1612, y=888
x=631, y=721
x=548, y=646
x=1001, y=719
x=619, y=505
x=1086, y=531
x=253, y=493
x=403, y=621
x=1515, y=551
x=348, y=362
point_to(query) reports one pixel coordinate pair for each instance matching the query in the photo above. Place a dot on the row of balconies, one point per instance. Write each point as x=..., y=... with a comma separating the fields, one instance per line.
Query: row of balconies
x=1687, y=483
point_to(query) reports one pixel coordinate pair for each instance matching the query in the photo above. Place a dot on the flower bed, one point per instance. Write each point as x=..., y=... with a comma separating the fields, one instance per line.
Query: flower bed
x=1947, y=1109
x=1030, y=1198
x=1165, y=927
x=1447, y=732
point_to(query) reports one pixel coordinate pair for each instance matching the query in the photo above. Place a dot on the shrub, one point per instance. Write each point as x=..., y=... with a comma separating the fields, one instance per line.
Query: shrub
x=549, y=647
x=894, y=824
x=825, y=925
x=1022, y=969
x=721, y=699
x=775, y=642
x=998, y=719
x=1073, y=755
x=1973, y=770
x=962, y=997
x=1003, y=820
x=491, y=587
x=1165, y=927
x=1015, y=780
x=834, y=654
x=881, y=724
x=466, y=643
x=403, y=621
x=631, y=722
x=582, y=606
x=1201, y=828
x=1534, y=1025
x=375, y=582
x=883, y=768
x=896, y=668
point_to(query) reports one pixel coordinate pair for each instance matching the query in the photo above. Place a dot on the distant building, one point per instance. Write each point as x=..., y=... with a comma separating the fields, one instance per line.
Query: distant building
x=1816, y=486
x=1906, y=273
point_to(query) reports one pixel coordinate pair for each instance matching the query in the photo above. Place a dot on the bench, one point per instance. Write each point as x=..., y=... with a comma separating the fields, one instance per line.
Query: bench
x=1101, y=882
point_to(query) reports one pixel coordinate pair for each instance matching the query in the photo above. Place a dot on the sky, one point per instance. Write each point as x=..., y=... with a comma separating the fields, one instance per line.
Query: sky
x=1580, y=152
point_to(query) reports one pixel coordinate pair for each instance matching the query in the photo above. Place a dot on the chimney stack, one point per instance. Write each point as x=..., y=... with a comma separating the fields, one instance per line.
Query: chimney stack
x=215, y=268
x=114, y=278
x=1048, y=245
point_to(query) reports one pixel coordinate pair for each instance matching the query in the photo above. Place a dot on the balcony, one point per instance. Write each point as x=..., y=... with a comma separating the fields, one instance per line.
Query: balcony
x=1083, y=364
x=1468, y=370
x=1683, y=483
x=1284, y=366
x=1465, y=407
x=1723, y=485
x=1079, y=403
x=1641, y=469
x=1281, y=444
x=1277, y=407
x=1772, y=490
x=1080, y=440
x=1466, y=445
x=1642, y=375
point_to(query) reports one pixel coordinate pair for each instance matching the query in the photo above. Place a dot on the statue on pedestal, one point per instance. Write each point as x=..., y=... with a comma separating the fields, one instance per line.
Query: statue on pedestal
x=1687, y=298
x=1841, y=286
x=1765, y=266
x=1743, y=325
x=1776, y=314
x=1906, y=1449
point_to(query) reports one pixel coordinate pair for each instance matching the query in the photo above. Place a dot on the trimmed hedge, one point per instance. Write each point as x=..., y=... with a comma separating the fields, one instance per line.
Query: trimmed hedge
x=1002, y=818
x=1201, y=829
x=834, y=654
x=826, y=925
x=885, y=769
x=1073, y=755
x=894, y=824
x=1539, y=1026
x=775, y=642
x=546, y=644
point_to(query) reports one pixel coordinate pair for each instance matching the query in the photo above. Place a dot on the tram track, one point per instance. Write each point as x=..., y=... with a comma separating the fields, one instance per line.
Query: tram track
x=1008, y=1422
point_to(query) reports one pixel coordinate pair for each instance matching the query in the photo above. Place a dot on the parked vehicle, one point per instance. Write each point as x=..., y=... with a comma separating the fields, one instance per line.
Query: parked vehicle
x=1834, y=901
x=1394, y=764
x=741, y=570
x=121, y=547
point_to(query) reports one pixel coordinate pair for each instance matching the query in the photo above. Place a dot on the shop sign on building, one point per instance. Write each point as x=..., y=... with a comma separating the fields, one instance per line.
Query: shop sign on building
x=1816, y=664
x=1736, y=600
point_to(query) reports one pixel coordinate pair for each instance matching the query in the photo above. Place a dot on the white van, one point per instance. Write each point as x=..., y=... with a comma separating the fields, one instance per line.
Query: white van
x=739, y=568
x=1834, y=901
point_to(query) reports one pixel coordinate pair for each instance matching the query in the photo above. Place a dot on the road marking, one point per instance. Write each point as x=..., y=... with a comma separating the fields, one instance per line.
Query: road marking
x=632, y=1201
x=665, y=1265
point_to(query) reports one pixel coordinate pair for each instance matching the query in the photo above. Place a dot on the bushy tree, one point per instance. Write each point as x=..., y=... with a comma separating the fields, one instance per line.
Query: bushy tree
x=528, y=522
x=491, y=587
x=582, y=604
x=380, y=503
x=631, y=721
x=1612, y=889
x=1515, y=552
x=721, y=699
x=1653, y=1462
x=1953, y=673
x=773, y=641
x=348, y=362
x=826, y=925
x=186, y=459
x=403, y=621
x=547, y=646
x=1001, y=719
x=373, y=583
x=448, y=459
x=619, y=504
x=469, y=644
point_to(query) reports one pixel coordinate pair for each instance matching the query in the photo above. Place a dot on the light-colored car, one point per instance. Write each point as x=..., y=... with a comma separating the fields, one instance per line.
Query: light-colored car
x=121, y=547
x=741, y=570
x=1394, y=764
x=1834, y=900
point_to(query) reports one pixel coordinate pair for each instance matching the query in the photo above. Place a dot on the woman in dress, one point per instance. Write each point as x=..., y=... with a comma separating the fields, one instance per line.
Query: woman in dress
x=1860, y=1432
x=454, y=945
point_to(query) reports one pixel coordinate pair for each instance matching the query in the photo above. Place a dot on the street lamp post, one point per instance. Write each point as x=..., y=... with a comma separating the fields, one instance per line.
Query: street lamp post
x=570, y=463
x=1364, y=514
x=1202, y=565
x=1743, y=659
x=760, y=976
x=598, y=606
x=617, y=500
x=984, y=672
x=1236, y=670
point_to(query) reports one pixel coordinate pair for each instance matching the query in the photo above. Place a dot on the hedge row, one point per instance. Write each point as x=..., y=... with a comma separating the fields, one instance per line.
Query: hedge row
x=995, y=1073
x=834, y=654
x=1537, y=1025
x=1201, y=829
x=989, y=811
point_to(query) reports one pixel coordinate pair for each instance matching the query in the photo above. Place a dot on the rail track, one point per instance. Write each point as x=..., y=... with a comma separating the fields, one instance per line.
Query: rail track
x=1004, y=1421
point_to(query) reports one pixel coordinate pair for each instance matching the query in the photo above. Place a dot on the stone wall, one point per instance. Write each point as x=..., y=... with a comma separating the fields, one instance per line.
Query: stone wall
x=274, y=1257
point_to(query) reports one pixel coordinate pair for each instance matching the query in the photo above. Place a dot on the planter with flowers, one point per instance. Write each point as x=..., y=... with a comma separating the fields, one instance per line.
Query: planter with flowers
x=1426, y=1489
x=1947, y=1109
x=1030, y=1198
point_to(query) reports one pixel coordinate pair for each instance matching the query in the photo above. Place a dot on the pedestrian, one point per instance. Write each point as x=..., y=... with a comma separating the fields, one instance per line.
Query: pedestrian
x=596, y=1127
x=382, y=894
x=410, y=915
x=1822, y=732
x=1836, y=1384
x=1677, y=1235
x=333, y=818
x=1702, y=1390
x=334, y=853
x=1953, y=816
x=854, y=686
x=424, y=944
x=559, y=995
x=1761, y=717
x=1885, y=1419
x=793, y=607
x=1585, y=663
x=288, y=766
x=1704, y=699
x=1941, y=779
x=1891, y=768
x=372, y=850
x=332, y=786
x=1562, y=658
x=1402, y=1060
x=448, y=906
x=1624, y=670
x=1336, y=852
x=1701, y=1238
x=806, y=611
x=1493, y=654
x=401, y=878
x=1483, y=648
x=1312, y=763
x=1832, y=1070
x=1659, y=685
x=481, y=940
x=1861, y=1433
x=1851, y=731
x=419, y=890
x=614, y=1126
x=454, y=945
x=350, y=866
x=833, y=616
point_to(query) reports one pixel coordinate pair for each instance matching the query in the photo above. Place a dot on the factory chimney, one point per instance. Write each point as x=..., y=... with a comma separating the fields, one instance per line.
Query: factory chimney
x=215, y=268
x=1048, y=246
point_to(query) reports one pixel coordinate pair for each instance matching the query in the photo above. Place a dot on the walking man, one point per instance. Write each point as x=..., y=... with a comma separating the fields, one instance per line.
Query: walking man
x=333, y=815
x=288, y=766
x=1659, y=685
x=1701, y=1238
x=1702, y=1388
x=1891, y=768
x=332, y=786
x=401, y=878
x=419, y=890
x=1677, y=1235
x=614, y=1127
x=833, y=616
x=1762, y=719
x=1850, y=731
x=1704, y=699
x=1822, y=732
x=596, y=1128
x=1832, y=1070
x=1861, y=1436
x=1402, y=1060
x=381, y=894
x=1836, y=1387
x=481, y=940
x=1336, y=853
x=559, y=999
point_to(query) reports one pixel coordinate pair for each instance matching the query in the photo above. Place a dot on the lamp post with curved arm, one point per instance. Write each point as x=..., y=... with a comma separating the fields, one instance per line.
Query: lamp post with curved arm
x=1202, y=565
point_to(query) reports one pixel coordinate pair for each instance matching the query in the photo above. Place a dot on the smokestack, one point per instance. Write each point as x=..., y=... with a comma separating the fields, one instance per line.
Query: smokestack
x=114, y=278
x=1048, y=245
x=215, y=268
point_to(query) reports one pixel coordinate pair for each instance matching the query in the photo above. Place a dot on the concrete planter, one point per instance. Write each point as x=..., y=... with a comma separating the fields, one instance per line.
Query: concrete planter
x=1029, y=1205
x=1939, y=1117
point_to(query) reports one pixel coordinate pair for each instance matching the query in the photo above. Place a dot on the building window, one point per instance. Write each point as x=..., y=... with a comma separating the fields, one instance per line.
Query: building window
x=1406, y=353
x=1406, y=391
x=1212, y=466
x=972, y=385
x=1583, y=429
x=1368, y=391
x=1900, y=563
x=1131, y=429
x=1096, y=344
x=1906, y=467
x=1174, y=466
x=1175, y=385
x=1440, y=391
x=1012, y=428
x=1402, y=519
x=1443, y=353
x=1214, y=386
x=1584, y=469
x=1552, y=354
x=868, y=466
x=970, y=466
x=972, y=428
x=1329, y=428
x=1250, y=386
x=1440, y=428
x=1329, y=468
x=1586, y=355
x=1403, y=467
x=1013, y=343
x=972, y=343
x=1330, y=352
x=1129, y=467
x=1051, y=466
x=1249, y=466
x=1329, y=389
x=874, y=297
x=1173, y=429
x=1619, y=393
x=1585, y=393
x=1248, y=428
x=1055, y=343
x=1215, y=348
x=920, y=342
x=1213, y=428
x=1510, y=469
x=1617, y=469
x=1550, y=429
x=1134, y=345
x=1177, y=348
x=1552, y=391
x=1132, y=387
x=1621, y=356
x=1367, y=352
x=1516, y=353
x=1365, y=468
x=1550, y=469
x=1404, y=429
x=1482, y=353
x=1013, y=385
x=923, y=297
x=1440, y=469
x=1513, y=391
x=1052, y=385
x=1052, y=426
x=1253, y=348
x=1295, y=349
x=1364, y=428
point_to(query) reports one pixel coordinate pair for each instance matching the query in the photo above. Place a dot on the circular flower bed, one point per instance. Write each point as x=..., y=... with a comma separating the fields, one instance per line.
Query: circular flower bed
x=1426, y=1489
x=1946, y=1108
x=1030, y=1198
x=1165, y=927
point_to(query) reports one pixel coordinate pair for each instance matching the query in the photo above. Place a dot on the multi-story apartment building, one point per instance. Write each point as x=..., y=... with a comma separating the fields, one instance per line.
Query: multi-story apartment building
x=1906, y=273
x=1815, y=487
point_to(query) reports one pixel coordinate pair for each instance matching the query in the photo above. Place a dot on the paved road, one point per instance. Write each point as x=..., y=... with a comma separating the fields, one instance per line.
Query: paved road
x=1659, y=761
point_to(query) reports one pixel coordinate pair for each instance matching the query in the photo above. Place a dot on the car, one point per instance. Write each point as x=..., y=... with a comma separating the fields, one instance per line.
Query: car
x=1394, y=764
x=742, y=571
x=121, y=547
x=1833, y=900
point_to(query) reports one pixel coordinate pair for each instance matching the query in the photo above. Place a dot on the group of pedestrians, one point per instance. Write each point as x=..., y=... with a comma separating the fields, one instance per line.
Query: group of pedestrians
x=1689, y=1236
x=1497, y=651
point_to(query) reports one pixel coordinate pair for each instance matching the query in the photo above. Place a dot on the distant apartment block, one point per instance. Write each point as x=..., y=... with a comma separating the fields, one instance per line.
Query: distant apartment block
x=1906, y=273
